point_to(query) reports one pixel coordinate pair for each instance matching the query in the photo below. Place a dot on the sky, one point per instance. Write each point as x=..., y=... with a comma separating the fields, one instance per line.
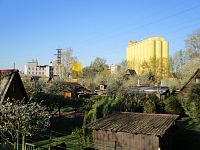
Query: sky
x=34, y=29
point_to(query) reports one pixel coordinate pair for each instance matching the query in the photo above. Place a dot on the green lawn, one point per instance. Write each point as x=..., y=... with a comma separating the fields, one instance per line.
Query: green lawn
x=60, y=132
x=71, y=142
x=187, y=134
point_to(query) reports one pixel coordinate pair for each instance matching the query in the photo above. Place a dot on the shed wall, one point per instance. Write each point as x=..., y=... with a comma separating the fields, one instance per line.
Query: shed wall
x=107, y=140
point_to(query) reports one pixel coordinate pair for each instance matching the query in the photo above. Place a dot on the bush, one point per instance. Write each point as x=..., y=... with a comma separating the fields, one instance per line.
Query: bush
x=173, y=106
x=192, y=104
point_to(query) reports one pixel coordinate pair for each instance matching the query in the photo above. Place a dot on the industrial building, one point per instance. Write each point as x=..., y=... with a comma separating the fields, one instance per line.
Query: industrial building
x=149, y=55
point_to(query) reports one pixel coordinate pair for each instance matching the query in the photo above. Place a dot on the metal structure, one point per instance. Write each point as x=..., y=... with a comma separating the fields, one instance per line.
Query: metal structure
x=59, y=62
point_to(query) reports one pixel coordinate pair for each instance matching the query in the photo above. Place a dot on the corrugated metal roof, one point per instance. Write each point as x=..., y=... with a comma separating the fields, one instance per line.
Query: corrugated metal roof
x=135, y=123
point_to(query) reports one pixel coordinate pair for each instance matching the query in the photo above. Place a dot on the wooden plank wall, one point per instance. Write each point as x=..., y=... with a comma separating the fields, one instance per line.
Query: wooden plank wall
x=107, y=140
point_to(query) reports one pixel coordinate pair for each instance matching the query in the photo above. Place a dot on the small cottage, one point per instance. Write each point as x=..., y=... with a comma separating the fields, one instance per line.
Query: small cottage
x=11, y=85
x=134, y=131
x=183, y=93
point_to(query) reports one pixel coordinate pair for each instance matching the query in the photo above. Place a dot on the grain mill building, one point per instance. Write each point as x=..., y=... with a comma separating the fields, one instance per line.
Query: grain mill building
x=133, y=131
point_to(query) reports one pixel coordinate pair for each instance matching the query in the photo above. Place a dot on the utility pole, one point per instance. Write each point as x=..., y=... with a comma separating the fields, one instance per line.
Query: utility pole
x=59, y=62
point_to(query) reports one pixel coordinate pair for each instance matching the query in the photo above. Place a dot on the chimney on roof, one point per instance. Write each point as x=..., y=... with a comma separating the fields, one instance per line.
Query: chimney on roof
x=138, y=82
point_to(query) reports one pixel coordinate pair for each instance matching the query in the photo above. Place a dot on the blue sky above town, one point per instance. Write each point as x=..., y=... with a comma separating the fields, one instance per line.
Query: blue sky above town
x=34, y=29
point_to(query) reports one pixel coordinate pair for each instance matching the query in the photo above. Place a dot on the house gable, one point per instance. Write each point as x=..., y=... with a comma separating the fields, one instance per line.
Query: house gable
x=194, y=79
x=12, y=86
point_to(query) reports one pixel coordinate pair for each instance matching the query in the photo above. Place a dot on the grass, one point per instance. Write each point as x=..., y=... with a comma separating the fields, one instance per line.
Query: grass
x=67, y=109
x=71, y=141
x=60, y=133
x=189, y=124
x=187, y=134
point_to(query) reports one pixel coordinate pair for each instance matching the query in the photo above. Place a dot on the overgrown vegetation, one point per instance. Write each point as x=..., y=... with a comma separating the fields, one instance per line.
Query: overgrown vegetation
x=121, y=95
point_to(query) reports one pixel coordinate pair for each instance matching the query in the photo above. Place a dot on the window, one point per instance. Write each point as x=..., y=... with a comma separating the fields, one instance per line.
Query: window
x=13, y=88
x=197, y=80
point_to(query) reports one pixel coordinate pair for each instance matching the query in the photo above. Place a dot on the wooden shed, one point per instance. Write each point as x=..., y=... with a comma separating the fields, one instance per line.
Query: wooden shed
x=133, y=131
x=11, y=85
x=185, y=89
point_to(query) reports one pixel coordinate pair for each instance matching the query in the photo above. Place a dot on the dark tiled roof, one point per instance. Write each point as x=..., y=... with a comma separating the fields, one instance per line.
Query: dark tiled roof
x=135, y=123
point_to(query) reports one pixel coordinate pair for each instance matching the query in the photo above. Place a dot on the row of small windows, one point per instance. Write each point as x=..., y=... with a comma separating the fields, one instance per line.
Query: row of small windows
x=37, y=73
x=35, y=68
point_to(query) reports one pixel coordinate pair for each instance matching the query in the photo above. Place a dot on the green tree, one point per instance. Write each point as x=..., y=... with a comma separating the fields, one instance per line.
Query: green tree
x=192, y=104
x=32, y=87
x=95, y=74
x=66, y=61
x=53, y=95
x=123, y=66
x=98, y=65
x=173, y=106
x=152, y=104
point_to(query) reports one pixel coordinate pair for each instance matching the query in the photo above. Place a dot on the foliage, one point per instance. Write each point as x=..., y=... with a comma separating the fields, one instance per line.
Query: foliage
x=32, y=87
x=123, y=66
x=188, y=69
x=17, y=117
x=193, y=44
x=98, y=65
x=178, y=60
x=95, y=74
x=192, y=105
x=66, y=61
x=150, y=106
x=173, y=106
x=114, y=84
x=50, y=101
x=57, y=87
x=185, y=62
x=153, y=104
x=172, y=83
x=110, y=104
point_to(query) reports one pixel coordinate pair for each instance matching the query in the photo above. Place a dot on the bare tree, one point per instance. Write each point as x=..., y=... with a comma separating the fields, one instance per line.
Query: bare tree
x=193, y=44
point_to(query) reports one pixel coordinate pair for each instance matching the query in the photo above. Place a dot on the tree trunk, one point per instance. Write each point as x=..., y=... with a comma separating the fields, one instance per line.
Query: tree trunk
x=16, y=145
x=23, y=141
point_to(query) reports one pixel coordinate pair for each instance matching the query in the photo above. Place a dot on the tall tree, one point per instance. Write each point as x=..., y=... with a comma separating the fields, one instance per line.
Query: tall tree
x=123, y=66
x=192, y=105
x=193, y=44
x=98, y=65
x=66, y=61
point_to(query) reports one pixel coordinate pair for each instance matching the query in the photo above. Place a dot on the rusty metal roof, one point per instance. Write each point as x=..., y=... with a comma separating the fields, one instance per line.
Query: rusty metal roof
x=135, y=123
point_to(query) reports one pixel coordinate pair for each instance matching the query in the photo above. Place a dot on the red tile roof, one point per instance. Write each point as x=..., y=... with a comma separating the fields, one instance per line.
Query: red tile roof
x=9, y=70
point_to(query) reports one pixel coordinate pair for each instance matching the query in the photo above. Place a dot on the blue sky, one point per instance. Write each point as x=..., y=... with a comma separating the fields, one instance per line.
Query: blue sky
x=92, y=28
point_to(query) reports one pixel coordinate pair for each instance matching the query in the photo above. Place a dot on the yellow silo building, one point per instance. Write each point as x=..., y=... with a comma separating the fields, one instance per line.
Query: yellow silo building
x=149, y=55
